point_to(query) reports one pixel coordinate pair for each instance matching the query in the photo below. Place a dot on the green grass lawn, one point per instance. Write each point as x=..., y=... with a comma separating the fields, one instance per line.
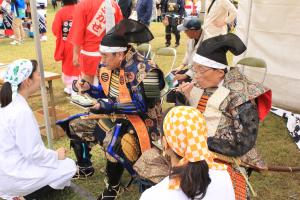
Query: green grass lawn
x=274, y=142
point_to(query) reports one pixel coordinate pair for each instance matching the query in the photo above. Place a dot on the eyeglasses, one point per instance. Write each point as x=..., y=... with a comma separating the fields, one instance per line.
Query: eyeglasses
x=201, y=70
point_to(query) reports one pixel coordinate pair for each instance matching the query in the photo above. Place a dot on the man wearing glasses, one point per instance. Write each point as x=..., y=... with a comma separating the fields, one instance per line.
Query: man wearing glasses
x=231, y=104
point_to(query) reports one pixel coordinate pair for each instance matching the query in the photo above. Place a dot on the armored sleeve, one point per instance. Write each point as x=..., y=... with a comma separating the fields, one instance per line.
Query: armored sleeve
x=243, y=132
x=94, y=91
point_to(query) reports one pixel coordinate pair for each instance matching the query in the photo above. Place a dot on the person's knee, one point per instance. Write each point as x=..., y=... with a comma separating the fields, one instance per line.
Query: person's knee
x=70, y=167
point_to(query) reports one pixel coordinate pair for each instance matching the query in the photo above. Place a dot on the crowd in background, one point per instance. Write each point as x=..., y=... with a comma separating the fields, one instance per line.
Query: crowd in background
x=16, y=22
x=145, y=11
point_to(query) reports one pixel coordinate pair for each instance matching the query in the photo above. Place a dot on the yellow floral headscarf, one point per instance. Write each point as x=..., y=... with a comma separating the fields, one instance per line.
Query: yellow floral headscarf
x=186, y=133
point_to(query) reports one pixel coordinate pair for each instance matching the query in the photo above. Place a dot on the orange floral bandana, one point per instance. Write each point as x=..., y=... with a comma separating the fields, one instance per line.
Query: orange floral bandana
x=186, y=134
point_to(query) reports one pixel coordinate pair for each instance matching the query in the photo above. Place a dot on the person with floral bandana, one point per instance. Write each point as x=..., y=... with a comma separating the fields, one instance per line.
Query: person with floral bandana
x=194, y=173
x=26, y=165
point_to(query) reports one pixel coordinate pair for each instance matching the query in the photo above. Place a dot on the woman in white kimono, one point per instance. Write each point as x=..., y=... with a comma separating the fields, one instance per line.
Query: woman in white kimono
x=26, y=165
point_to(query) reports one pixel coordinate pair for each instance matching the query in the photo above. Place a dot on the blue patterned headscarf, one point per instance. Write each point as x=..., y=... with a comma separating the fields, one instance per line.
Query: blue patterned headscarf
x=17, y=72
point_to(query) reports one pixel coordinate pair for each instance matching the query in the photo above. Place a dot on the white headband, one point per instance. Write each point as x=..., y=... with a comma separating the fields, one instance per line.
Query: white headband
x=17, y=72
x=106, y=49
x=208, y=62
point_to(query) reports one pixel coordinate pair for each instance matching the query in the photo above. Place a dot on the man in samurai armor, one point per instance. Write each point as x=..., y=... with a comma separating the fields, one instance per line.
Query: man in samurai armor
x=172, y=13
x=128, y=99
x=231, y=103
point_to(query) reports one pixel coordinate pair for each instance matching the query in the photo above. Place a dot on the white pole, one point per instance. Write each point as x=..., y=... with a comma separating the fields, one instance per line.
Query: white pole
x=248, y=25
x=38, y=51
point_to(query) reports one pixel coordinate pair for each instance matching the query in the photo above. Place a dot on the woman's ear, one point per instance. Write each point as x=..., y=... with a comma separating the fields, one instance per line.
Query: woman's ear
x=27, y=82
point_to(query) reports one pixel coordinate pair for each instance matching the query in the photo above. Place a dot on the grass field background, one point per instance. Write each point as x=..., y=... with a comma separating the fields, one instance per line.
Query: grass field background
x=274, y=142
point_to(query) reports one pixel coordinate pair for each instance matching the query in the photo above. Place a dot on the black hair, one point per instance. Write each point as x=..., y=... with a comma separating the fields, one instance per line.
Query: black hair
x=6, y=90
x=69, y=2
x=123, y=62
x=224, y=70
x=194, y=176
x=129, y=47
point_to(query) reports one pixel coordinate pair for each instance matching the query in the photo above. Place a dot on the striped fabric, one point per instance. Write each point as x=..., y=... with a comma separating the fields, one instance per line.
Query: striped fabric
x=114, y=86
x=202, y=103
x=152, y=77
x=126, y=106
x=204, y=98
x=151, y=85
x=238, y=182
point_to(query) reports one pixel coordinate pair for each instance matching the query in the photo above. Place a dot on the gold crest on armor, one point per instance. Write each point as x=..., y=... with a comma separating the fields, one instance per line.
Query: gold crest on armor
x=130, y=147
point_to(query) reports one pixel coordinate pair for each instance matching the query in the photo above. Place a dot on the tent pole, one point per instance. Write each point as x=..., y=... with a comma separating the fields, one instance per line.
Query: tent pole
x=38, y=51
x=248, y=25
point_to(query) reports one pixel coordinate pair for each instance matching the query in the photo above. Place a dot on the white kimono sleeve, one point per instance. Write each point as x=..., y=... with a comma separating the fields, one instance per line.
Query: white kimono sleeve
x=29, y=141
x=232, y=11
x=185, y=60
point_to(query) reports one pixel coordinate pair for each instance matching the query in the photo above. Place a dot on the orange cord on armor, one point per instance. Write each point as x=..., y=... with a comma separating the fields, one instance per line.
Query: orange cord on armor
x=238, y=182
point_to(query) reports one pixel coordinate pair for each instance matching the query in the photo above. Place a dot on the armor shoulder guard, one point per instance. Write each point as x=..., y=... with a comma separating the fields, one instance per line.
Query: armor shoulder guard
x=244, y=133
x=153, y=83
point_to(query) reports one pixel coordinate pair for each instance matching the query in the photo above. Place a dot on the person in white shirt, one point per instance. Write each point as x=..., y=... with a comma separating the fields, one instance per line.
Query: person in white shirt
x=192, y=28
x=198, y=8
x=26, y=165
x=189, y=7
x=194, y=174
x=218, y=13
x=192, y=8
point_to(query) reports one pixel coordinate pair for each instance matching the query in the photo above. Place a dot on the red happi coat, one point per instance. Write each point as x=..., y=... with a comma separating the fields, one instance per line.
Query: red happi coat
x=89, y=23
x=64, y=49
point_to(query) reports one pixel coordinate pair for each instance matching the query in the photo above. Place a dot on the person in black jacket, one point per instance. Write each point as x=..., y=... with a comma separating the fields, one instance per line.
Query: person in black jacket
x=126, y=7
x=144, y=11
x=172, y=13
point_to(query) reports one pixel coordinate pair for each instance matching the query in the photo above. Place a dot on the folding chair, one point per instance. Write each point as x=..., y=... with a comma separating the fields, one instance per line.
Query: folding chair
x=144, y=49
x=169, y=52
x=253, y=62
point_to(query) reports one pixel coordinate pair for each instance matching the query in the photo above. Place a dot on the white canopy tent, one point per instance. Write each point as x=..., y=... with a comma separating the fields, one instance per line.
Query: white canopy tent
x=271, y=31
